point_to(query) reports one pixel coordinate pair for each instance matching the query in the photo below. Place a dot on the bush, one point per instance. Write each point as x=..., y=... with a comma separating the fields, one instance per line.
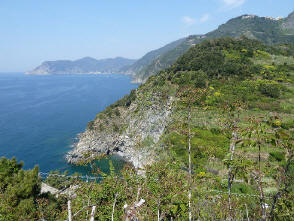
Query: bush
x=216, y=131
x=200, y=79
x=19, y=190
x=115, y=128
x=130, y=98
x=90, y=125
x=287, y=125
x=269, y=88
x=116, y=112
x=277, y=156
x=196, y=78
x=241, y=188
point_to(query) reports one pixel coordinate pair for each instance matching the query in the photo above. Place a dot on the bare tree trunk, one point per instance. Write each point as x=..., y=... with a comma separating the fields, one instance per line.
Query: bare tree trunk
x=93, y=213
x=232, y=150
x=158, y=211
x=113, y=207
x=69, y=210
x=278, y=194
x=138, y=194
x=247, y=214
x=158, y=215
x=88, y=206
x=190, y=167
x=276, y=197
x=261, y=197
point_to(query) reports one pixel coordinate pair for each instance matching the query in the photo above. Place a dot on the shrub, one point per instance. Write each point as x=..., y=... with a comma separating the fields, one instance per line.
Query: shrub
x=200, y=79
x=287, y=125
x=269, y=88
x=116, y=112
x=19, y=188
x=241, y=188
x=130, y=98
x=277, y=155
x=215, y=131
x=90, y=125
x=115, y=128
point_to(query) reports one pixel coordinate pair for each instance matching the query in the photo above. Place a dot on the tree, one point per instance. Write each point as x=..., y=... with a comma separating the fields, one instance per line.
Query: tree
x=19, y=190
x=284, y=139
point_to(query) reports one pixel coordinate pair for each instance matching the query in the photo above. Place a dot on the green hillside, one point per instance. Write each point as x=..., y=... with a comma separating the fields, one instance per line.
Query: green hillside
x=237, y=92
x=268, y=30
x=147, y=59
x=229, y=101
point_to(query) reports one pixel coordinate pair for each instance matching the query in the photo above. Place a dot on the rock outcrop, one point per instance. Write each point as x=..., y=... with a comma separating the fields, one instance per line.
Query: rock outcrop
x=129, y=131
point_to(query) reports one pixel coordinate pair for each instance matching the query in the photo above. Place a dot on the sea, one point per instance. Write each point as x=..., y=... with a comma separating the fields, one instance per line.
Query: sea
x=41, y=116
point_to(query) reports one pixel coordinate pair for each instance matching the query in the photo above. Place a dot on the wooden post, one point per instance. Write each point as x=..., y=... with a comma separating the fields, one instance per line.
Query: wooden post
x=69, y=210
x=93, y=213
x=263, y=209
x=138, y=194
x=247, y=214
x=158, y=212
x=190, y=167
x=113, y=207
x=232, y=150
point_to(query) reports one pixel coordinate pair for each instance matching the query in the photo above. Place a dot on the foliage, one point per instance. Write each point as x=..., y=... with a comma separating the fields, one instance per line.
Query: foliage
x=265, y=30
x=277, y=155
x=90, y=125
x=19, y=190
x=231, y=87
x=269, y=88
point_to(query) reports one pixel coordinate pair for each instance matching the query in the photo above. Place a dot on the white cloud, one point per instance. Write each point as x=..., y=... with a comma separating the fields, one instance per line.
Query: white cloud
x=233, y=3
x=204, y=18
x=188, y=20
x=192, y=21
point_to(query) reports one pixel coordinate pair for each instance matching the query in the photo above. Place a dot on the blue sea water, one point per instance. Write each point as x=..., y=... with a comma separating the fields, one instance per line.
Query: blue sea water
x=40, y=116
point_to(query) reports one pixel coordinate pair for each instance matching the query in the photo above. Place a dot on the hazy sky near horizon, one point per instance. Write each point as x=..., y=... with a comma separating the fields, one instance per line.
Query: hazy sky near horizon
x=33, y=31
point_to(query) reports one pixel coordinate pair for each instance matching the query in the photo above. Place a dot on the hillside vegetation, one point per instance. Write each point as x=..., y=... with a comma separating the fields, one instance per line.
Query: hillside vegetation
x=267, y=30
x=230, y=102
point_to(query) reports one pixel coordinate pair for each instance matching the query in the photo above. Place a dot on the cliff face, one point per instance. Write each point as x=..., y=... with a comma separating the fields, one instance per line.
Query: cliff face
x=288, y=24
x=131, y=129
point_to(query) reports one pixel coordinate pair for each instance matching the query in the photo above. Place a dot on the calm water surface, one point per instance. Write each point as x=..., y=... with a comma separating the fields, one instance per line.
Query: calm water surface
x=40, y=116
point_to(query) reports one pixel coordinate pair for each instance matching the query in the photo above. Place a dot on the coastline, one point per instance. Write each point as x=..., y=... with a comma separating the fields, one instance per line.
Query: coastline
x=142, y=125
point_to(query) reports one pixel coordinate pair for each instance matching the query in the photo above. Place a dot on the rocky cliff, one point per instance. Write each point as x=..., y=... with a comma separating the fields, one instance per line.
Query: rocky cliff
x=130, y=128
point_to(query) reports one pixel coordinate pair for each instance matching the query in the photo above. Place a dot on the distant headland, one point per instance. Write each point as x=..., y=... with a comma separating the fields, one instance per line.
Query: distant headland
x=86, y=65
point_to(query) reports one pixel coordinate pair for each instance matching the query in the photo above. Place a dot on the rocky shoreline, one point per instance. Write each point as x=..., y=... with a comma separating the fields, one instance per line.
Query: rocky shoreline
x=140, y=128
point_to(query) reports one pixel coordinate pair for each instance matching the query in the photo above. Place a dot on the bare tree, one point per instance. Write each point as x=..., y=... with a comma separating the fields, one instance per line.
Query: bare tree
x=259, y=133
x=69, y=210
x=284, y=181
x=131, y=212
x=247, y=214
x=230, y=177
x=190, y=166
x=113, y=207
x=158, y=211
x=93, y=213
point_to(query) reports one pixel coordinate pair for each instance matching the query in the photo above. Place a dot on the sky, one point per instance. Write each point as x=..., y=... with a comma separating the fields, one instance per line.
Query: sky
x=32, y=31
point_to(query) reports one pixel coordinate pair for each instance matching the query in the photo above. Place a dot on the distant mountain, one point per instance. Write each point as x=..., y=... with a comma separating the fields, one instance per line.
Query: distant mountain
x=83, y=66
x=288, y=25
x=147, y=59
x=265, y=29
